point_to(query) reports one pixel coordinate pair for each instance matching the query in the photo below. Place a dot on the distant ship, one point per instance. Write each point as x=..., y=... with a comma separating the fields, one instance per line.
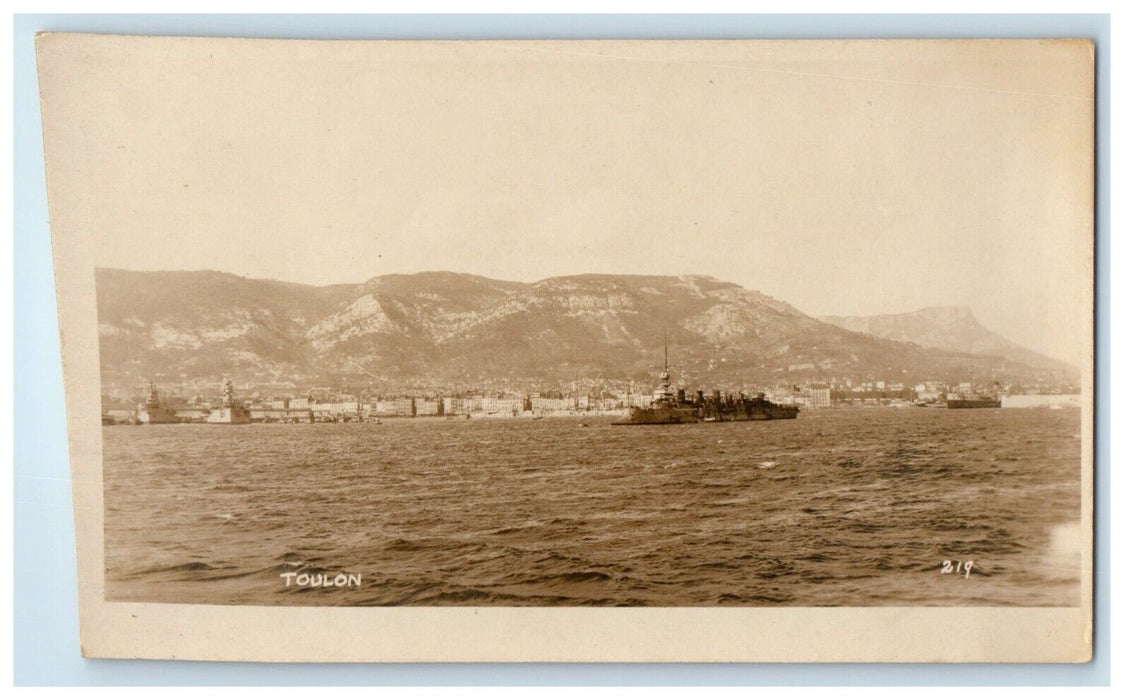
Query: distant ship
x=230, y=411
x=153, y=412
x=669, y=407
x=964, y=400
x=665, y=408
x=974, y=402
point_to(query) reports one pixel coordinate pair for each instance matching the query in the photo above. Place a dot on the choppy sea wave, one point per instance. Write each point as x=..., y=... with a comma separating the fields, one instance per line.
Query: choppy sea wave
x=841, y=507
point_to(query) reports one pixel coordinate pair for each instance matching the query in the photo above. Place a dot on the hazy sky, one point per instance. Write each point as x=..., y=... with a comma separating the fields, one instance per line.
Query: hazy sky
x=842, y=177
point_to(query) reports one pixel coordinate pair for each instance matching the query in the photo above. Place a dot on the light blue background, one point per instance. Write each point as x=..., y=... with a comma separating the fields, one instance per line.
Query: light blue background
x=46, y=614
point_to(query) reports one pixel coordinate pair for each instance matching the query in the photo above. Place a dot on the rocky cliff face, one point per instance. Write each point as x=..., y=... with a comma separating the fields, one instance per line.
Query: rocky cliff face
x=952, y=328
x=449, y=331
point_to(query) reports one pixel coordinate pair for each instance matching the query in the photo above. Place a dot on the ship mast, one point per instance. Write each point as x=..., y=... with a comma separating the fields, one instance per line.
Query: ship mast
x=228, y=399
x=665, y=392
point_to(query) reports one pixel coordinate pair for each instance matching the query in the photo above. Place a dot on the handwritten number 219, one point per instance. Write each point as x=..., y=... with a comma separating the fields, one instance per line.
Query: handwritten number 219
x=957, y=567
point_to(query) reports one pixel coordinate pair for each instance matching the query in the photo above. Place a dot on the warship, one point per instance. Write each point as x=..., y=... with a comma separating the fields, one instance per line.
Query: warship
x=966, y=400
x=230, y=411
x=974, y=402
x=668, y=407
x=153, y=412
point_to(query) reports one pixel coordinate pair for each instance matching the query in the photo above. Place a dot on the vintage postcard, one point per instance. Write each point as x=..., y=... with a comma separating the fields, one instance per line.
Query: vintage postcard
x=576, y=350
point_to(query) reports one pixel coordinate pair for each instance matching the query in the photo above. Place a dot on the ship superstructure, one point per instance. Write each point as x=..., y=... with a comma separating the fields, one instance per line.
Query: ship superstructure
x=666, y=407
x=153, y=412
x=230, y=411
x=968, y=399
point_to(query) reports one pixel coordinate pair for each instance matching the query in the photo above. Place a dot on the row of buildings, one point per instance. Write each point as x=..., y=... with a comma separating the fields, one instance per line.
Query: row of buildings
x=349, y=408
x=326, y=405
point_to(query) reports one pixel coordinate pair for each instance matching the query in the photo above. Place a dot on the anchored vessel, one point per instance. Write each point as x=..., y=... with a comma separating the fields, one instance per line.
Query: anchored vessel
x=153, y=412
x=666, y=407
x=670, y=407
x=230, y=411
x=974, y=402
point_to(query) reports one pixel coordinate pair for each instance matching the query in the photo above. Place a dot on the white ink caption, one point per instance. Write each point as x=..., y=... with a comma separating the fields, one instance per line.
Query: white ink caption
x=320, y=580
x=957, y=567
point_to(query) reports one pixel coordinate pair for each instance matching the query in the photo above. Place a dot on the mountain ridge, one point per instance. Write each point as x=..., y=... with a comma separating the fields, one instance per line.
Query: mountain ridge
x=953, y=328
x=440, y=330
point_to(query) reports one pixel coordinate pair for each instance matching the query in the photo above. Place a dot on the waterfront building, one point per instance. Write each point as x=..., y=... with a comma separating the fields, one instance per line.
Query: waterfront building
x=820, y=396
x=507, y=406
x=547, y=405
x=463, y=405
x=928, y=391
x=391, y=408
x=638, y=400
x=609, y=404
x=336, y=410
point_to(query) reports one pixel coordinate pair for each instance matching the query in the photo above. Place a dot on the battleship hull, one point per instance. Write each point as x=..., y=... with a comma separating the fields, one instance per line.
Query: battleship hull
x=784, y=412
x=773, y=412
x=228, y=416
x=663, y=415
x=973, y=403
x=157, y=416
x=669, y=415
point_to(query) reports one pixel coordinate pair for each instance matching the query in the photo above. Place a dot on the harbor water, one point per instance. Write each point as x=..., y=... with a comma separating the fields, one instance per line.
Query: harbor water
x=853, y=507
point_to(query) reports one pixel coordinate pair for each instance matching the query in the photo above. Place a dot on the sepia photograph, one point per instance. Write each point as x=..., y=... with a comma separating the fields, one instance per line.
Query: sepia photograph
x=745, y=326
